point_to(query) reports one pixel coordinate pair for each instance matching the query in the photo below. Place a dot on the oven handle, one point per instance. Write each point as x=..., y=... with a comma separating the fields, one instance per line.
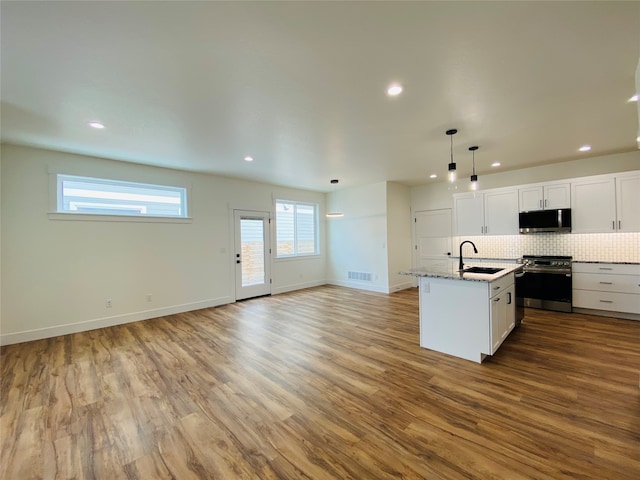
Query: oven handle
x=551, y=271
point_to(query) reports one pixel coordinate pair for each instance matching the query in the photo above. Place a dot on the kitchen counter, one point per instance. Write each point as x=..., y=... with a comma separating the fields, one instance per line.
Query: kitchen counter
x=449, y=269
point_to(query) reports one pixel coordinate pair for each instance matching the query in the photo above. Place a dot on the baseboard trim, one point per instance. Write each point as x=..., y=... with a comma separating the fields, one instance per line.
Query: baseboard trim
x=607, y=313
x=401, y=286
x=297, y=286
x=86, y=325
x=358, y=286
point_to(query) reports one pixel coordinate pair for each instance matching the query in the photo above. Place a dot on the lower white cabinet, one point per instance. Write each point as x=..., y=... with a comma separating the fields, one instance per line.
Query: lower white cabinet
x=607, y=286
x=502, y=314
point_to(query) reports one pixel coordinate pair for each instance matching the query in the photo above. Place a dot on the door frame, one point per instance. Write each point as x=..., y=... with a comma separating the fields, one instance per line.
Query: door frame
x=234, y=231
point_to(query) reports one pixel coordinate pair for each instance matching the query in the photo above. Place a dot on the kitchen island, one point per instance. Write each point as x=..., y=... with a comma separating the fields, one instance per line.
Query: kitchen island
x=465, y=314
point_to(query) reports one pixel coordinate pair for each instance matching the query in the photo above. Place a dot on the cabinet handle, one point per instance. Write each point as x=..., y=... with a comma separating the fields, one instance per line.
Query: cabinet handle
x=508, y=298
x=606, y=283
x=545, y=202
x=606, y=301
x=613, y=225
x=540, y=203
x=496, y=299
x=496, y=288
x=604, y=268
x=486, y=229
x=619, y=225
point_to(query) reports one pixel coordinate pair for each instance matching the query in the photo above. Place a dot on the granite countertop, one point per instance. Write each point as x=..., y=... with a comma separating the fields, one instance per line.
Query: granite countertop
x=449, y=269
x=615, y=263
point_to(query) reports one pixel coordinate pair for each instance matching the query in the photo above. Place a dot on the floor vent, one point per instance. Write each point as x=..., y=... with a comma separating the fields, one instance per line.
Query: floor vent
x=366, y=277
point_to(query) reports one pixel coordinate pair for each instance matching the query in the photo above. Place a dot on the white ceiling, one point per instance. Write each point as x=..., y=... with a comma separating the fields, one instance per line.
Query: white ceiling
x=301, y=86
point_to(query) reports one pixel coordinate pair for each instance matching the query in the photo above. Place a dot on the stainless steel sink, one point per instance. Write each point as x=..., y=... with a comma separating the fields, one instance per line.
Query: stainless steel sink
x=487, y=270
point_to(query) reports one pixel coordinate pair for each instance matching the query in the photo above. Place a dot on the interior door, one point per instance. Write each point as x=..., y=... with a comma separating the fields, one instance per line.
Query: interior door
x=252, y=254
x=432, y=236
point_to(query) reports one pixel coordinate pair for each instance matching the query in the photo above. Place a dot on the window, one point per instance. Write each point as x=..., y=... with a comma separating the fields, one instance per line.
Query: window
x=96, y=196
x=296, y=229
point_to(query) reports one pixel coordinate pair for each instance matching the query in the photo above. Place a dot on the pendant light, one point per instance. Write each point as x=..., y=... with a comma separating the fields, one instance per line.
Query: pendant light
x=474, y=177
x=452, y=165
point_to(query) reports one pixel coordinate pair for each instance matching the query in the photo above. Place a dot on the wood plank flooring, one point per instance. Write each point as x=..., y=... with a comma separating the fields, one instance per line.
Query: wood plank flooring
x=324, y=383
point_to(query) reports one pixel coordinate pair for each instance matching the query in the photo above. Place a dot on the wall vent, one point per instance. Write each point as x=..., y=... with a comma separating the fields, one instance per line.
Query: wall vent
x=365, y=277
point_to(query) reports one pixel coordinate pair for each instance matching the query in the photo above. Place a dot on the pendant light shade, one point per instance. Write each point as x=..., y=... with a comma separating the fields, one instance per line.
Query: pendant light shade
x=474, y=177
x=452, y=165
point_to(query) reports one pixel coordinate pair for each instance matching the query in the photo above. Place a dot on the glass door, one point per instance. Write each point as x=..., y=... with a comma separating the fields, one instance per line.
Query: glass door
x=252, y=254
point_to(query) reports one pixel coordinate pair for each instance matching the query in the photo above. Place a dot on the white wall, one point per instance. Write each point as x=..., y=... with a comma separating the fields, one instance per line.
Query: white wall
x=357, y=242
x=398, y=235
x=57, y=274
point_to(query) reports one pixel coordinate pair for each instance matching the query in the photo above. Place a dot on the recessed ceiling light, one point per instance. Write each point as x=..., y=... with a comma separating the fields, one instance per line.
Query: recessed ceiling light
x=248, y=159
x=585, y=148
x=96, y=125
x=495, y=164
x=634, y=98
x=433, y=175
x=394, y=89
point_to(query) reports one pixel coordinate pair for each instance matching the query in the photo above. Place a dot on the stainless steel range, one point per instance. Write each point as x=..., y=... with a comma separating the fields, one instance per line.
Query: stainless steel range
x=546, y=282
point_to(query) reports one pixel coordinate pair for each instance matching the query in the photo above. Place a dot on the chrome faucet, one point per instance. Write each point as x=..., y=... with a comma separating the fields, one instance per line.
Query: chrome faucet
x=475, y=250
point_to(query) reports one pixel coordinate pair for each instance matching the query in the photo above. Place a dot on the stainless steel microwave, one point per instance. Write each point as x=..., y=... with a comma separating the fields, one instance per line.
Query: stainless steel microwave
x=537, y=221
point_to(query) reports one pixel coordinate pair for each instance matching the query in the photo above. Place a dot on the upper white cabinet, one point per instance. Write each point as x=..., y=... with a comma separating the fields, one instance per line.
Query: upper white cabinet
x=628, y=203
x=469, y=212
x=594, y=205
x=542, y=197
x=493, y=212
x=606, y=204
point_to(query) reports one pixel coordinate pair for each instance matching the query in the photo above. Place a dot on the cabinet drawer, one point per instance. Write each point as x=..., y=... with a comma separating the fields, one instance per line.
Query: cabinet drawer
x=607, y=283
x=609, y=268
x=498, y=286
x=611, y=301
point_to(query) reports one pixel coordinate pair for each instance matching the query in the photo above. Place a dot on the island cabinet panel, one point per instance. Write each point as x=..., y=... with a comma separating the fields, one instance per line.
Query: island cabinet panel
x=467, y=319
x=454, y=317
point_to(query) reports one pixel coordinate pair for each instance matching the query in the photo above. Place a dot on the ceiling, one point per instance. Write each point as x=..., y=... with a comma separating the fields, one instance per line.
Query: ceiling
x=301, y=86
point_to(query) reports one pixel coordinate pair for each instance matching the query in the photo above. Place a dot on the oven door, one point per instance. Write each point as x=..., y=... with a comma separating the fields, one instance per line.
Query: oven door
x=548, y=290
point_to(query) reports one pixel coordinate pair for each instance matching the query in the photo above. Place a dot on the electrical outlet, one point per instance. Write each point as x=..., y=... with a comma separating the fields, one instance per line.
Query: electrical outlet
x=108, y=304
x=149, y=297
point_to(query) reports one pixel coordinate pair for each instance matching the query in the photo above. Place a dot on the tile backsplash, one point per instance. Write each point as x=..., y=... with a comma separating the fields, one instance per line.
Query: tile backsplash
x=604, y=247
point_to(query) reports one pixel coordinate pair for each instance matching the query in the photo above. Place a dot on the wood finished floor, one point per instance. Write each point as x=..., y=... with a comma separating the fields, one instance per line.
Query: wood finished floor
x=322, y=383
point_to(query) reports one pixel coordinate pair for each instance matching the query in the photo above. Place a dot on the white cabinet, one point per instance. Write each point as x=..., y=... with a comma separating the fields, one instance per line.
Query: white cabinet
x=594, y=205
x=628, y=202
x=607, y=286
x=542, y=197
x=493, y=212
x=502, y=311
x=469, y=214
x=606, y=204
